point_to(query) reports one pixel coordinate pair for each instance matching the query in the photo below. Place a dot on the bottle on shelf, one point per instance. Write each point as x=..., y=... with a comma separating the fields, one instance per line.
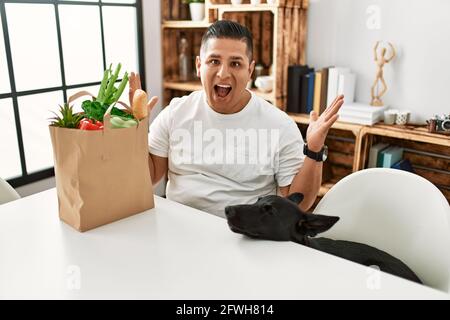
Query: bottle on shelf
x=184, y=61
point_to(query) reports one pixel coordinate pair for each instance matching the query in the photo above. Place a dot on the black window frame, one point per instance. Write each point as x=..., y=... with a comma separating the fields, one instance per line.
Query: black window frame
x=27, y=178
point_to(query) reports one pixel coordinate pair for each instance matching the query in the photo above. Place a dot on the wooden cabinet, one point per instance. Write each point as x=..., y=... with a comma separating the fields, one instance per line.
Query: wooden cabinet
x=279, y=32
x=349, y=145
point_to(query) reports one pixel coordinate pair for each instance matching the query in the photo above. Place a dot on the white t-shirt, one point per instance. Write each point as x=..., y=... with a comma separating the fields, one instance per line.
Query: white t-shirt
x=216, y=160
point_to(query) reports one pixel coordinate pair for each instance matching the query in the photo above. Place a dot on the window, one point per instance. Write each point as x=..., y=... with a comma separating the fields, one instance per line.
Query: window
x=48, y=51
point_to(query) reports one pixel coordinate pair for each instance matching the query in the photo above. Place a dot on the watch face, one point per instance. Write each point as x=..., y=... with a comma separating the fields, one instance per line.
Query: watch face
x=325, y=153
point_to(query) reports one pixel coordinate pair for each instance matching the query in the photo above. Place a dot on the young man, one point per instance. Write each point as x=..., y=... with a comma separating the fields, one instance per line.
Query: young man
x=224, y=145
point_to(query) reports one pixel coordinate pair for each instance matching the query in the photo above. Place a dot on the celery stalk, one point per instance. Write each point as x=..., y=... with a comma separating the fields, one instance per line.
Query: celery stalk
x=112, y=80
x=101, y=91
x=120, y=89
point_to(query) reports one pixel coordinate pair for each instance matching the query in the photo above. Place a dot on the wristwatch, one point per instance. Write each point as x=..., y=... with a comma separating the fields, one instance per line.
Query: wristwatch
x=318, y=156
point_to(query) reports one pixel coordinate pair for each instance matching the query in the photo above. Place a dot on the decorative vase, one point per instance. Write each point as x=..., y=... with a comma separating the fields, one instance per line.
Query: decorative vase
x=197, y=11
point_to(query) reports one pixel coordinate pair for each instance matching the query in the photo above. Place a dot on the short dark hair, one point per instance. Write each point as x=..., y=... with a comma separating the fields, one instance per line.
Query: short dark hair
x=226, y=29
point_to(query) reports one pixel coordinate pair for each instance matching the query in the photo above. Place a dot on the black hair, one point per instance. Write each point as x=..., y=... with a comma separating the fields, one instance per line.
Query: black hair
x=226, y=29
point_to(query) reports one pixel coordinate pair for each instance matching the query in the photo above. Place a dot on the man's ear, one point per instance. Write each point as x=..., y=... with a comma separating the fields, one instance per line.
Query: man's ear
x=198, y=63
x=312, y=224
x=296, y=197
x=251, y=68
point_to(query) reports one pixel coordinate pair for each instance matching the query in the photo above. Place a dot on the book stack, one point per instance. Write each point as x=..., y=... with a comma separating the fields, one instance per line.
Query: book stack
x=361, y=113
x=382, y=155
x=310, y=90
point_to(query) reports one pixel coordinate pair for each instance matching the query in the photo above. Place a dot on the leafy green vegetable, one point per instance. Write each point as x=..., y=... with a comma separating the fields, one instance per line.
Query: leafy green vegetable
x=107, y=95
x=96, y=110
x=68, y=119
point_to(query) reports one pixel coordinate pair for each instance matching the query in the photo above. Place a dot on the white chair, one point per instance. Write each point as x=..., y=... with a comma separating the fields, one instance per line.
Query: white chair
x=398, y=212
x=7, y=193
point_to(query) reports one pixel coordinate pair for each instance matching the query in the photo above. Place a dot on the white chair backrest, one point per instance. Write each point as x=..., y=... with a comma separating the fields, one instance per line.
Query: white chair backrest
x=395, y=211
x=7, y=193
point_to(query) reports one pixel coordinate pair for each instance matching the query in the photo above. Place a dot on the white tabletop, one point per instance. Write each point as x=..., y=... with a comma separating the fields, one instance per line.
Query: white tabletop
x=171, y=252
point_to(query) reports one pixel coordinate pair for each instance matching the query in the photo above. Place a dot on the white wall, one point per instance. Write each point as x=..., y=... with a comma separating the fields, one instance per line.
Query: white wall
x=151, y=11
x=418, y=79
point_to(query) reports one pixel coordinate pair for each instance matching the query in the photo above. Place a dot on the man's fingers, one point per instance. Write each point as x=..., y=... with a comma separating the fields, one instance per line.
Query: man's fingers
x=138, y=81
x=153, y=101
x=334, y=108
x=331, y=105
x=313, y=116
x=330, y=122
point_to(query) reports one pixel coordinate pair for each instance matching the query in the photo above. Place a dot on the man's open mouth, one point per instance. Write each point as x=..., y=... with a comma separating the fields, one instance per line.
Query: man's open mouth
x=222, y=90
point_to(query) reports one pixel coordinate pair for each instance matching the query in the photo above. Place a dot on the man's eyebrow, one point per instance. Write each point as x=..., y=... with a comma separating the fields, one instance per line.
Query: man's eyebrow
x=218, y=56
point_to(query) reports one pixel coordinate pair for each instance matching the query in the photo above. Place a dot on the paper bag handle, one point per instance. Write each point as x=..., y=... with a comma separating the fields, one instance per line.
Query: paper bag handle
x=84, y=93
x=107, y=115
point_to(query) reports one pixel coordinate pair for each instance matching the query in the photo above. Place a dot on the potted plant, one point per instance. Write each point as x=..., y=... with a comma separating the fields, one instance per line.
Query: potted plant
x=197, y=9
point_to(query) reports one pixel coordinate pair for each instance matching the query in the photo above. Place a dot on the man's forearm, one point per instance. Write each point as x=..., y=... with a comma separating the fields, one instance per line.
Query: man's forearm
x=151, y=168
x=308, y=181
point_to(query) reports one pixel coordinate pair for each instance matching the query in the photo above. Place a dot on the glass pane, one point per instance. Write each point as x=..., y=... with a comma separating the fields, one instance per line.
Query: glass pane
x=9, y=149
x=35, y=110
x=120, y=30
x=77, y=103
x=34, y=45
x=4, y=78
x=82, y=43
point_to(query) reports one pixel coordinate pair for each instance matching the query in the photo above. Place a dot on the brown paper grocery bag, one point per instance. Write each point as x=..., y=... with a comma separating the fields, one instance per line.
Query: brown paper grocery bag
x=102, y=175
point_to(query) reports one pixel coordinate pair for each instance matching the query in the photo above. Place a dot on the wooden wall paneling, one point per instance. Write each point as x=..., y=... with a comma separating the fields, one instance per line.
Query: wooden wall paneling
x=184, y=11
x=175, y=10
x=427, y=161
x=165, y=10
x=213, y=15
x=279, y=59
x=166, y=45
x=256, y=32
x=267, y=36
x=302, y=35
x=294, y=47
x=287, y=36
x=305, y=4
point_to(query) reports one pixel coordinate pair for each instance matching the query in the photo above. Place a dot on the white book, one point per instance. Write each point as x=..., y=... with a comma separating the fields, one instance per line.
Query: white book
x=361, y=110
x=333, y=82
x=357, y=120
x=346, y=86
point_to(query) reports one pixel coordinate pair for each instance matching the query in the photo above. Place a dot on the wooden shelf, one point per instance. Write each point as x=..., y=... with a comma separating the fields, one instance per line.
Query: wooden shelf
x=185, y=24
x=414, y=133
x=183, y=86
x=244, y=7
x=279, y=39
x=304, y=119
x=196, y=85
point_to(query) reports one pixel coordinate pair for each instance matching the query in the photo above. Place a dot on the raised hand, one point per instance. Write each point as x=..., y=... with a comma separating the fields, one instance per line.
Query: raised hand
x=319, y=126
x=135, y=83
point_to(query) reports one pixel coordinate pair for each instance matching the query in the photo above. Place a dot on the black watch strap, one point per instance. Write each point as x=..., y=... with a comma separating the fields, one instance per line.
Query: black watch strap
x=318, y=156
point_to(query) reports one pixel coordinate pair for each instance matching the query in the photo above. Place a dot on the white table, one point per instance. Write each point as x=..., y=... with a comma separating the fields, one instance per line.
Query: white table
x=171, y=252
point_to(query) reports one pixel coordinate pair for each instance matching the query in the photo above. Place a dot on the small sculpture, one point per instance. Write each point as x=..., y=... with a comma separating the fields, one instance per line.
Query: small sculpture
x=381, y=61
